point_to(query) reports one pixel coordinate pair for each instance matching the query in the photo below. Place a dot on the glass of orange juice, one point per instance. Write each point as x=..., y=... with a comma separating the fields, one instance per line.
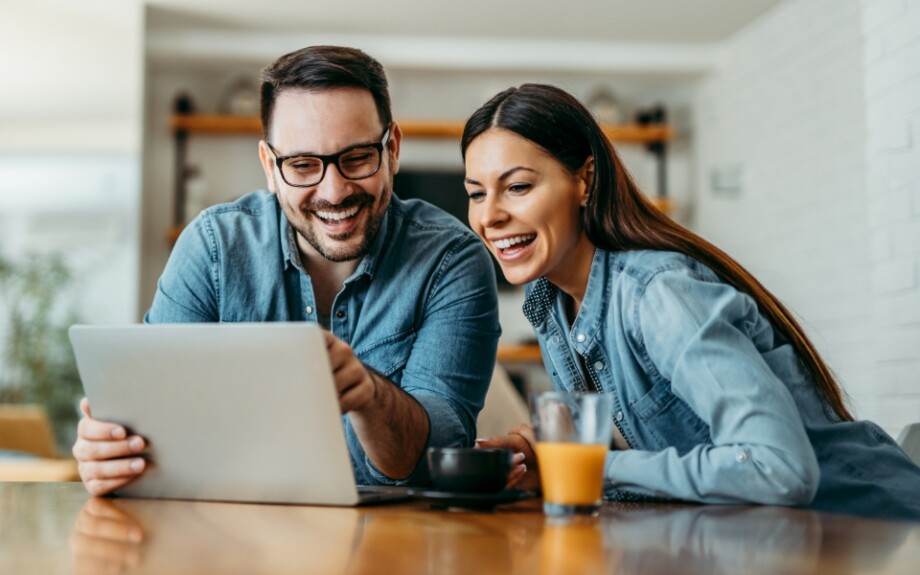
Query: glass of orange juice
x=573, y=435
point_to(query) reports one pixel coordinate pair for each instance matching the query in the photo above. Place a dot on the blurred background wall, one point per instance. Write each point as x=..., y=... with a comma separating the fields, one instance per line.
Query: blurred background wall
x=796, y=127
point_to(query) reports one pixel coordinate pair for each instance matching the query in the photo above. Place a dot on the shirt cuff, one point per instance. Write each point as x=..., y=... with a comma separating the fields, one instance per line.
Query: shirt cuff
x=444, y=430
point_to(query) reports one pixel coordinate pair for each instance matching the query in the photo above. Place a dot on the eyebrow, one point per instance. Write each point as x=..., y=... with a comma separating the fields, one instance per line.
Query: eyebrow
x=505, y=175
x=341, y=151
x=315, y=155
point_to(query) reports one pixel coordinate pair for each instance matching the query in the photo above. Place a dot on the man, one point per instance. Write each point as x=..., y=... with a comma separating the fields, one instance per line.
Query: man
x=404, y=290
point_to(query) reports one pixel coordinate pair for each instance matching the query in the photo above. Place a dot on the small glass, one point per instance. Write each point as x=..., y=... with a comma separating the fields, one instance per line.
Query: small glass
x=573, y=433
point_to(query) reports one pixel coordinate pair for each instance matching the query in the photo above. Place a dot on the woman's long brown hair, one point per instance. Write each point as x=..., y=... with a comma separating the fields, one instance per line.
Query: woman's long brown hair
x=620, y=217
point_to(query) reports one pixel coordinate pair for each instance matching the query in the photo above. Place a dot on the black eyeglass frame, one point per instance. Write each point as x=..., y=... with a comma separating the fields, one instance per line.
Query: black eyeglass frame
x=327, y=159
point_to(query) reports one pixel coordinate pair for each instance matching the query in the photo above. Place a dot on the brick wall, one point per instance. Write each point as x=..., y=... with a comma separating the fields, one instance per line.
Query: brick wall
x=892, y=92
x=790, y=185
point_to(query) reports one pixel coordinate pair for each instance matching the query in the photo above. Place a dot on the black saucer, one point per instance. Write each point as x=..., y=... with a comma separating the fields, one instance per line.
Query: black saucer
x=469, y=500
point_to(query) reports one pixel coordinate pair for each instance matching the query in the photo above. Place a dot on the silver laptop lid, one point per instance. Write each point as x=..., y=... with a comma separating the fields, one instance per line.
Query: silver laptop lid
x=234, y=412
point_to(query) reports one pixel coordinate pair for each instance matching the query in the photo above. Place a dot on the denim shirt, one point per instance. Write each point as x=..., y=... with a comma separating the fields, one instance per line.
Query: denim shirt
x=421, y=307
x=715, y=405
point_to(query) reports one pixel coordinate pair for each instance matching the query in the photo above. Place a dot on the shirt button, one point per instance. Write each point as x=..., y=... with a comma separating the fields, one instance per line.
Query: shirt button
x=599, y=365
x=580, y=338
x=619, y=416
x=308, y=309
x=741, y=456
x=340, y=314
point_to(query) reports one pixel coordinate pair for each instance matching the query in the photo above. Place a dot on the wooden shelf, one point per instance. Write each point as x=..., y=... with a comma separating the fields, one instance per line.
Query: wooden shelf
x=413, y=128
x=654, y=135
x=525, y=353
x=663, y=204
x=205, y=124
x=173, y=234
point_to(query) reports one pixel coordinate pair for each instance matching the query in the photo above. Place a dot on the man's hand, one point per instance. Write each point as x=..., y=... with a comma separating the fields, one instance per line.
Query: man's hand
x=390, y=424
x=355, y=383
x=104, y=454
x=520, y=439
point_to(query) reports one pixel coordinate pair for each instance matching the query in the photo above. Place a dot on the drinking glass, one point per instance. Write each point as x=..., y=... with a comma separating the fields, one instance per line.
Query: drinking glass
x=572, y=430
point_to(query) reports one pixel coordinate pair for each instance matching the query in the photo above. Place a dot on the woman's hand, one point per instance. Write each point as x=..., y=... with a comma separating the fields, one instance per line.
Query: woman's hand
x=520, y=439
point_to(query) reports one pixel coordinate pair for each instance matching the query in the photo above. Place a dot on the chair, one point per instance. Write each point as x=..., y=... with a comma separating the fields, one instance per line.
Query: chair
x=504, y=407
x=909, y=440
x=28, y=442
x=26, y=428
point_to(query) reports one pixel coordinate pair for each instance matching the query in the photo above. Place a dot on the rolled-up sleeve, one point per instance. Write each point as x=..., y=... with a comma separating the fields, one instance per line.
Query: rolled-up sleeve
x=452, y=357
x=695, y=334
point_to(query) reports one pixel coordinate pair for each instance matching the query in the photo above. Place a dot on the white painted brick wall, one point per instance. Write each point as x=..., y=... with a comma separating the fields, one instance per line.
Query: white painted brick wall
x=892, y=92
x=819, y=102
x=789, y=106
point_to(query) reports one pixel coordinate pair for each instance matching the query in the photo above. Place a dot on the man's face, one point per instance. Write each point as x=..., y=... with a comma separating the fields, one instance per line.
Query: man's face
x=337, y=218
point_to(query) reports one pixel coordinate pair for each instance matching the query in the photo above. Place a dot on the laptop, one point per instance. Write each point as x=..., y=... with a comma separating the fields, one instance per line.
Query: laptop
x=231, y=412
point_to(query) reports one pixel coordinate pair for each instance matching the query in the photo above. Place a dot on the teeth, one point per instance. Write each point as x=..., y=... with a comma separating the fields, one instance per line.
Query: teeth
x=338, y=216
x=506, y=243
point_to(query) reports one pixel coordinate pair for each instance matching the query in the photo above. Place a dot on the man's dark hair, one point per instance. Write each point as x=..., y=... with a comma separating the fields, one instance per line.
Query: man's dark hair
x=317, y=68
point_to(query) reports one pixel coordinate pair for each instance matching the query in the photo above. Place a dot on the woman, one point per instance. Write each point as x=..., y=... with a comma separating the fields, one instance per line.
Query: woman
x=719, y=397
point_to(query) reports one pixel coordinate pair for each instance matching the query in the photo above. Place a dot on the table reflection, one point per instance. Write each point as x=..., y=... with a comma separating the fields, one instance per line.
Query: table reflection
x=715, y=539
x=575, y=545
x=721, y=539
x=150, y=536
x=436, y=542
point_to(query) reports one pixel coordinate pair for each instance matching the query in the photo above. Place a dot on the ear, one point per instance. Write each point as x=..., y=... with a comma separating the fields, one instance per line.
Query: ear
x=268, y=166
x=393, y=145
x=585, y=176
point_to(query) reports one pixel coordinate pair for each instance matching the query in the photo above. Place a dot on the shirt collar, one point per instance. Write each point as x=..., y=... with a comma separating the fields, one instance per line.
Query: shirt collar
x=543, y=294
x=288, y=241
x=539, y=301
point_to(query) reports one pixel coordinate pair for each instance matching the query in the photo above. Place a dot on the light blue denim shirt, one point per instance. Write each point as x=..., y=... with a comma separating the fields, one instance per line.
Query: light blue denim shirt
x=715, y=405
x=420, y=308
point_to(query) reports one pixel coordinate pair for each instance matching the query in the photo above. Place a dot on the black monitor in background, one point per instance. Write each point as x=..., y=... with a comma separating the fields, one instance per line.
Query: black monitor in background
x=445, y=189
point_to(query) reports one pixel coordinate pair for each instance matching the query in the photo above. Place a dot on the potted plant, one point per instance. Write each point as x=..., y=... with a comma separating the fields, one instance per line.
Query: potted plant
x=36, y=361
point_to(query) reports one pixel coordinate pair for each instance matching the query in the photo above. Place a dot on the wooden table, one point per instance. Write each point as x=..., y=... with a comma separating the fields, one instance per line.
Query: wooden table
x=57, y=528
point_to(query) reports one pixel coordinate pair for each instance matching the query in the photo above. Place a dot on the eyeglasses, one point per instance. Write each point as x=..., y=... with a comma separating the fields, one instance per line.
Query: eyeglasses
x=354, y=163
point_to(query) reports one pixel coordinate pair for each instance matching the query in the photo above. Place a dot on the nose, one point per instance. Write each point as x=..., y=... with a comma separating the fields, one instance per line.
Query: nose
x=491, y=213
x=333, y=187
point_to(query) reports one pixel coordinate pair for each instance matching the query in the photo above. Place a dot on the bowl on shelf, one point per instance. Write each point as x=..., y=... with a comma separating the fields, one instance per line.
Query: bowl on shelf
x=469, y=470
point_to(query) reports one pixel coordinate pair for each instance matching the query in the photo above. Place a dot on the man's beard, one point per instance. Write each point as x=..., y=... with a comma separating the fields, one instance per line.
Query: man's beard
x=300, y=221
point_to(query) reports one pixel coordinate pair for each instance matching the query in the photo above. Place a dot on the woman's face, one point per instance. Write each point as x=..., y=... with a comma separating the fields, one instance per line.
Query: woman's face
x=525, y=205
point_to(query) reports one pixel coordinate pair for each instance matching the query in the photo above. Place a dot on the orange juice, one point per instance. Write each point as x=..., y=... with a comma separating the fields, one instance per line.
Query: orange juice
x=571, y=473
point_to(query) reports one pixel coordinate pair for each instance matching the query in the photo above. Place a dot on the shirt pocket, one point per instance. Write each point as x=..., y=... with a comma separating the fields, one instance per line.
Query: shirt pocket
x=388, y=356
x=669, y=420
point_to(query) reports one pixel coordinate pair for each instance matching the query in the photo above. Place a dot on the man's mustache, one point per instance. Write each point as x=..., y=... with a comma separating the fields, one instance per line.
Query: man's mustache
x=362, y=199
